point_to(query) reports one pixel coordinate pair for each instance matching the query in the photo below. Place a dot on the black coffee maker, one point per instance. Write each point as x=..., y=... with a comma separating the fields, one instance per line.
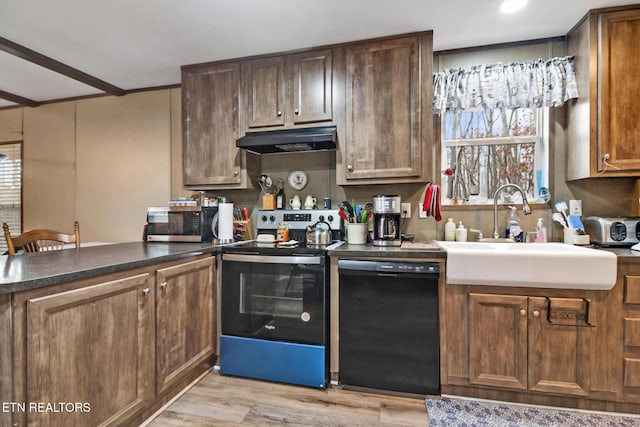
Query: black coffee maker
x=386, y=220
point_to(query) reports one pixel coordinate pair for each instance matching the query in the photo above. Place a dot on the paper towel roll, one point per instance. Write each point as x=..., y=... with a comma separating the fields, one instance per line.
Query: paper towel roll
x=225, y=222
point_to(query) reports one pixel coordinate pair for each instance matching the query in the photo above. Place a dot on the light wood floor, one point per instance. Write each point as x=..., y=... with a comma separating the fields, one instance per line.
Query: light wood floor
x=220, y=400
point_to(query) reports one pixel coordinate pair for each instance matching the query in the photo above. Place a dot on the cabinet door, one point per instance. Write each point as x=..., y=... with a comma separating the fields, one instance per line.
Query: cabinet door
x=559, y=354
x=310, y=83
x=620, y=89
x=498, y=340
x=184, y=335
x=211, y=126
x=265, y=92
x=91, y=345
x=383, y=110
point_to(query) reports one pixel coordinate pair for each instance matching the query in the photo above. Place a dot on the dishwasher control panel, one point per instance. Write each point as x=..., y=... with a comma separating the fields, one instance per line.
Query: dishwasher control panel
x=389, y=266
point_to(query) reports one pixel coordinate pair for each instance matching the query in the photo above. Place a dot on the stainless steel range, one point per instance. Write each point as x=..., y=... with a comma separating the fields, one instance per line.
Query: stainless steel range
x=275, y=302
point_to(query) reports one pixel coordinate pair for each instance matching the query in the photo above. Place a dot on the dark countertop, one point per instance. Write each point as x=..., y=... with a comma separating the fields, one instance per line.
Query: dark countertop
x=31, y=271
x=626, y=253
x=431, y=250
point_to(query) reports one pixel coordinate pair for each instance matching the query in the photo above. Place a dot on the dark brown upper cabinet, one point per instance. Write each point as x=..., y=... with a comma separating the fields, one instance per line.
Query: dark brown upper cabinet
x=212, y=122
x=285, y=91
x=604, y=122
x=388, y=119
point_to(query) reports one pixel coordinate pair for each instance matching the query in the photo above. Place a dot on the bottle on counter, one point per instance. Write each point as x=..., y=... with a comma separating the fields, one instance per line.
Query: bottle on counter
x=450, y=230
x=280, y=199
x=461, y=233
x=541, y=232
x=513, y=228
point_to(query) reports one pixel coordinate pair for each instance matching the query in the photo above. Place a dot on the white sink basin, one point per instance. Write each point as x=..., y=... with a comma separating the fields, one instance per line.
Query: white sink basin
x=539, y=265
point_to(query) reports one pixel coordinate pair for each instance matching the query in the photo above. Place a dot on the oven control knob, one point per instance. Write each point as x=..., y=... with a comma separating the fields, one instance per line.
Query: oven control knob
x=321, y=218
x=330, y=218
x=272, y=218
x=264, y=218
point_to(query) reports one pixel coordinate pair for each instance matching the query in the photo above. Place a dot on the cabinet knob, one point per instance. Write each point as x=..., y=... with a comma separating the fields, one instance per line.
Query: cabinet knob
x=145, y=291
x=523, y=312
x=296, y=112
x=235, y=173
x=279, y=113
x=536, y=313
x=350, y=168
x=163, y=285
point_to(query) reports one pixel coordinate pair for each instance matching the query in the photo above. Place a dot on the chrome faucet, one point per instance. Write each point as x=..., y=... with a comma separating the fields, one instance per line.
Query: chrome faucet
x=525, y=206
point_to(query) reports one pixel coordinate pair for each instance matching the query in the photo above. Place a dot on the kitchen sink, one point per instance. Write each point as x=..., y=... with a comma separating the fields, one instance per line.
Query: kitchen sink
x=540, y=265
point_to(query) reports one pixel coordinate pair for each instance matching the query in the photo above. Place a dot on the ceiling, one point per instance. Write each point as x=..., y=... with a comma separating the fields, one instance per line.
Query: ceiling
x=125, y=45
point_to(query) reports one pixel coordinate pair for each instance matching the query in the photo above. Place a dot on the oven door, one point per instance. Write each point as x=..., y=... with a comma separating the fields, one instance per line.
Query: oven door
x=274, y=297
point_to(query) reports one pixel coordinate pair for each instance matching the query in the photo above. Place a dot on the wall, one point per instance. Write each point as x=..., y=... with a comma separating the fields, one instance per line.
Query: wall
x=101, y=161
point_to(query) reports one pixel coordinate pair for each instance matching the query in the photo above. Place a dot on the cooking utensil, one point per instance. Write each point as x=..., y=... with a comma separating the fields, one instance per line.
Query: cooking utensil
x=349, y=209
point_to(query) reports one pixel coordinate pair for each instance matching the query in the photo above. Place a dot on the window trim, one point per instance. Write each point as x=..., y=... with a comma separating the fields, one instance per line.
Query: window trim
x=543, y=155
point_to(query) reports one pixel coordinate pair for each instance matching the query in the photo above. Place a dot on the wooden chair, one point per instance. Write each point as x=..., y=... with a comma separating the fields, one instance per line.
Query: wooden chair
x=41, y=240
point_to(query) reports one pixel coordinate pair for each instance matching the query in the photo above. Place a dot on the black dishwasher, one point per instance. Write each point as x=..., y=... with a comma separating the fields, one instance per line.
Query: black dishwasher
x=389, y=337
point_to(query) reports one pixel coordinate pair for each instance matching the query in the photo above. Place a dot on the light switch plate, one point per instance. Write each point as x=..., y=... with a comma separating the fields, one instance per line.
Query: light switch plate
x=405, y=207
x=575, y=207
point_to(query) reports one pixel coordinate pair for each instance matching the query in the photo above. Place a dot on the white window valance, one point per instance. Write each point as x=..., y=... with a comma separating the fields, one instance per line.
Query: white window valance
x=541, y=83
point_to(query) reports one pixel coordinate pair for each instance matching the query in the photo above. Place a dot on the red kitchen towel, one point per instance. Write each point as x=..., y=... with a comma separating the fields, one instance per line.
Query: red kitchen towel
x=431, y=203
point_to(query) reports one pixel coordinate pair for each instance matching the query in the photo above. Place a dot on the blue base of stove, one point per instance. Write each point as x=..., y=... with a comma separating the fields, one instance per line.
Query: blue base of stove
x=286, y=362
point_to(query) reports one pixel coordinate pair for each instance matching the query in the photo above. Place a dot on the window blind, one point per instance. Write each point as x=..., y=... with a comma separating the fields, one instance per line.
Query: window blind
x=11, y=189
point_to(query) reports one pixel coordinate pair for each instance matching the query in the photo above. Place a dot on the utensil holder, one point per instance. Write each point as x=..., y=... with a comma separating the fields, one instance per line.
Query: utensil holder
x=243, y=228
x=572, y=237
x=357, y=233
x=269, y=202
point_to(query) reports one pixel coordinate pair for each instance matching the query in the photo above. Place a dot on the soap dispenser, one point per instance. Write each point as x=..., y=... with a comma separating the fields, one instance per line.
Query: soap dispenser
x=541, y=232
x=461, y=233
x=513, y=228
x=450, y=230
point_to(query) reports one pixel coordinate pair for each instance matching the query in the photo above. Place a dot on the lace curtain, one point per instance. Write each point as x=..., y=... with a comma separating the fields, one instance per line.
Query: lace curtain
x=541, y=83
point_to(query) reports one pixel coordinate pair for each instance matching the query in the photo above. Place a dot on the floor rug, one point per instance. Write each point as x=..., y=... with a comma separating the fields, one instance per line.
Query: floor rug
x=454, y=412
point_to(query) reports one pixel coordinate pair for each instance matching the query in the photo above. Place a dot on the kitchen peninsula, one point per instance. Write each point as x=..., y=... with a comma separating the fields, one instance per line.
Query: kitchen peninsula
x=116, y=330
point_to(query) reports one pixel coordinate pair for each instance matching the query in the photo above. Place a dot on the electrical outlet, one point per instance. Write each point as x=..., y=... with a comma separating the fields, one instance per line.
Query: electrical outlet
x=575, y=207
x=405, y=208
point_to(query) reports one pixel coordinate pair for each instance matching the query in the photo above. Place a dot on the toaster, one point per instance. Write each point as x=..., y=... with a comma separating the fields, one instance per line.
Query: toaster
x=616, y=231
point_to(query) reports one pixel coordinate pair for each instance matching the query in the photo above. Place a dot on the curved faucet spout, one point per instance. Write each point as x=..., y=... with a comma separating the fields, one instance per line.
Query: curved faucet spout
x=525, y=206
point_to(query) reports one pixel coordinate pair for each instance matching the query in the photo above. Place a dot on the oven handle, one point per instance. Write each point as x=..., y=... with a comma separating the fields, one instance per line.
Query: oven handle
x=274, y=259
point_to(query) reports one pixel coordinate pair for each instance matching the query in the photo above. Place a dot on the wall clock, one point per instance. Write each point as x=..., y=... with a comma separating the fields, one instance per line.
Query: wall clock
x=298, y=180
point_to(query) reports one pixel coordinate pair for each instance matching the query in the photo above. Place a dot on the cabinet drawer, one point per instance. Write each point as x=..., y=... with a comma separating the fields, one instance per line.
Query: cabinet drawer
x=632, y=332
x=632, y=290
x=631, y=372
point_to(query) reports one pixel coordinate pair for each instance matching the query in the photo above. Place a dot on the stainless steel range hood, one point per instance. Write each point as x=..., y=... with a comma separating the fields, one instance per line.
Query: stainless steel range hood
x=289, y=140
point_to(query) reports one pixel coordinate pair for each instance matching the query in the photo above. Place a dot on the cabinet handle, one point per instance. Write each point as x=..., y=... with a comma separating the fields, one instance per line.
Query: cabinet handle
x=523, y=312
x=145, y=291
x=296, y=112
x=279, y=113
x=163, y=285
x=350, y=168
x=536, y=313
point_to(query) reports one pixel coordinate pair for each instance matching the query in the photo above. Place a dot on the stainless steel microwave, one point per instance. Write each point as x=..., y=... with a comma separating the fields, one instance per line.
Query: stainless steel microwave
x=181, y=224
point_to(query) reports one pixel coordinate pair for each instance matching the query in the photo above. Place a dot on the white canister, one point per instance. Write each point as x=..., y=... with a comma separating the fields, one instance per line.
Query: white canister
x=225, y=222
x=357, y=233
x=461, y=233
